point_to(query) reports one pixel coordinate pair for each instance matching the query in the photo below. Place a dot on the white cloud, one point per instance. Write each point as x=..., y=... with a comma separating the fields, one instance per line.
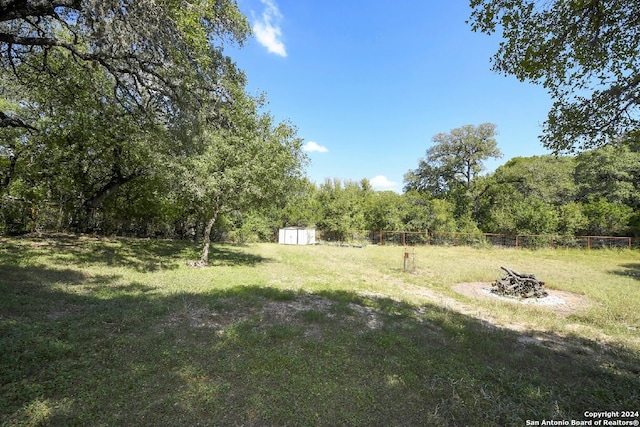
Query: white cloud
x=382, y=182
x=312, y=146
x=267, y=28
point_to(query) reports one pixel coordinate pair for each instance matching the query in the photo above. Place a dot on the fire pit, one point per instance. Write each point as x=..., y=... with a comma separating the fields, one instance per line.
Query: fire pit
x=519, y=285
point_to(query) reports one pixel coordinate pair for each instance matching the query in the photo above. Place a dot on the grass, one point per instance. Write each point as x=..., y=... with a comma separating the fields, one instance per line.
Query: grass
x=109, y=332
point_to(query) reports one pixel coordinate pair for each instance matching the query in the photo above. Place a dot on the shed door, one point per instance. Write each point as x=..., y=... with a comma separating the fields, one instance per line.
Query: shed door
x=291, y=237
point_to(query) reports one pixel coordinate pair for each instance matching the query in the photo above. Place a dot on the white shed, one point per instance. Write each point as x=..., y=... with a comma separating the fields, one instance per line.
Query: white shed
x=297, y=236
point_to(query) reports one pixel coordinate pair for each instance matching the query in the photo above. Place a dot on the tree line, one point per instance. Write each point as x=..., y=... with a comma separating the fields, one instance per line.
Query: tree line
x=124, y=117
x=596, y=192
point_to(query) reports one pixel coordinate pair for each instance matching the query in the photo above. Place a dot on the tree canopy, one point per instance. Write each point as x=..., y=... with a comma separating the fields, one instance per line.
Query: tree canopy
x=246, y=168
x=127, y=116
x=163, y=55
x=584, y=52
x=455, y=159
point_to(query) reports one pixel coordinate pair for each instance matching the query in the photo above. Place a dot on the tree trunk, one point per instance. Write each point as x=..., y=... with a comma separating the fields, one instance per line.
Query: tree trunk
x=95, y=201
x=206, y=241
x=7, y=178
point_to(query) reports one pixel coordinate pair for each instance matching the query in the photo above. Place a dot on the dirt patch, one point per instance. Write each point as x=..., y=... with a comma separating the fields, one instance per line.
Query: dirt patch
x=560, y=302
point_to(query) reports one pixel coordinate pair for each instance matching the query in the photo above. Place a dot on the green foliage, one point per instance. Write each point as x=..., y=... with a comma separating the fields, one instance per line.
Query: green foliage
x=593, y=193
x=154, y=158
x=248, y=167
x=302, y=206
x=383, y=211
x=16, y=217
x=253, y=228
x=547, y=178
x=416, y=211
x=583, y=52
x=164, y=56
x=453, y=164
x=533, y=216
x=105, y=98
x=466, y=224
x=455, y=159
x=572, y=219
x=606, y=218
x=342, y=208
x=442, y=216
x=611, y=173
x=89, y=145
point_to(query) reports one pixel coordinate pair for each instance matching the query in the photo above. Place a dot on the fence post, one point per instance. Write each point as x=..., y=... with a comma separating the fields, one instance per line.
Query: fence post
x=404, y=238
x=380, y=240
x=517, y=241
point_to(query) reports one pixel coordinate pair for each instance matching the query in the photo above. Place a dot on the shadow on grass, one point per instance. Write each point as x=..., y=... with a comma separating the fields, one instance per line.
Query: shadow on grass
x=26, y=290
x=629, y=270
x=142, y=255
x=252, y=355
x=228, y=255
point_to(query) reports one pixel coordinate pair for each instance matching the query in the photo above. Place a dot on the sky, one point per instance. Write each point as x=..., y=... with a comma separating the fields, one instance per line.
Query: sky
x=368, y=84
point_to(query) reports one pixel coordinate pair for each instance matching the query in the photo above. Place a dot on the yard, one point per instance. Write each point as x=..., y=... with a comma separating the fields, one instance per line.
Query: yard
x=107, y=332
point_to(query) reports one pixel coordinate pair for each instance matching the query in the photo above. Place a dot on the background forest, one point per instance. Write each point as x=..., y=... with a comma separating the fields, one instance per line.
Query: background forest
x=132, y=121
x=593, y=193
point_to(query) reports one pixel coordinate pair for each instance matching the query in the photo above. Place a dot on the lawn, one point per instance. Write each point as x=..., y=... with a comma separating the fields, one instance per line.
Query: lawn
x=120, y=332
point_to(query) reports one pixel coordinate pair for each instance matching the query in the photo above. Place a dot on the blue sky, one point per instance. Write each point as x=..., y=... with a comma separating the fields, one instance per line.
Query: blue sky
x=368, y=84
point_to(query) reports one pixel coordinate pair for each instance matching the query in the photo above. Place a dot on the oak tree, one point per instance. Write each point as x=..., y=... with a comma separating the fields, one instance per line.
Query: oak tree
x=455, y=159
x=453, y=164
x=161, y=55
x=242, y=168
x=584, y=52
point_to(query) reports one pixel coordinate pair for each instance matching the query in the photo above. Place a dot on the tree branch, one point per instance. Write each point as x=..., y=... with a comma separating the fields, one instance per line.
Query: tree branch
x=11, y=39
x=13, y=122
x=20, y=9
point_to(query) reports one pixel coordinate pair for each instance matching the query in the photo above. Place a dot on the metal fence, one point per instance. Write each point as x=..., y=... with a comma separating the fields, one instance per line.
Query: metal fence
x=528, y=241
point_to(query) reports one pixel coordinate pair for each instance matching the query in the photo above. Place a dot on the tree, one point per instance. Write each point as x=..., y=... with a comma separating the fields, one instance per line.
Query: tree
x=383, y=211
x=162, y=55
x=453, y=163
x=242, y=168
x=455, y=160
x=572, y=219
x=584, y=52
x=522, y=184
x=100, y=94
x=611, y=173
x=302, y=207
x=343, y=207
x=88, y=144
x=606, y=218
x=421, y=212
x=547, y=178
